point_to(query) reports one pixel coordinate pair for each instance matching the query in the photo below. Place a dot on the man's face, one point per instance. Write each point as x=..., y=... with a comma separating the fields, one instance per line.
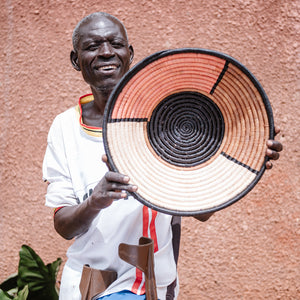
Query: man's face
x=103, y=53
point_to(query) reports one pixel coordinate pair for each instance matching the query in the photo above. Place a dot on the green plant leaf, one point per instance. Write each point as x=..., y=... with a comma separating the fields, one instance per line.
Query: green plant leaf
x=53, y=270
x=41, y=279
x=23, y=294
x=4, y=295
x=9, y=283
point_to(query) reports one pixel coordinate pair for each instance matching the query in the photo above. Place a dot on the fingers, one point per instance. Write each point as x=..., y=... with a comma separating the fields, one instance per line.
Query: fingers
x=119, y=182
x=272, y=154
x=113, y=186
x=105, y=160
x=276, y=130
x=117, y=195
x=269, y=165
x=274, y=145
x=116, y=177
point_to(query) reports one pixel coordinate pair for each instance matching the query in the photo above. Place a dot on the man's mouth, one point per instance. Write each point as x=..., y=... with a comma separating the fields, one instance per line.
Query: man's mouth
x=108, y=67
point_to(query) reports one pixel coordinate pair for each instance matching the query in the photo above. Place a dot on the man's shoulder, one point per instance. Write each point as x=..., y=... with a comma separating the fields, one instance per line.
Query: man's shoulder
x=67, y=115
x=68, y=112
x=63, y=121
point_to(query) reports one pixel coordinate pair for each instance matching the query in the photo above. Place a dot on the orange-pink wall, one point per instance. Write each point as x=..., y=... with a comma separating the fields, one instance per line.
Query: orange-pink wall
x=250, y=250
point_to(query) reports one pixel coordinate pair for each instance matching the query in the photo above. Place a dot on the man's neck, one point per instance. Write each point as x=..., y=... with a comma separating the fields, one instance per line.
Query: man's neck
x=92, y=112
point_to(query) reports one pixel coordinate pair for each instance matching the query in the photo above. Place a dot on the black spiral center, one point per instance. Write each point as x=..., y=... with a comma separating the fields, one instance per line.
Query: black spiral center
x=186, y=129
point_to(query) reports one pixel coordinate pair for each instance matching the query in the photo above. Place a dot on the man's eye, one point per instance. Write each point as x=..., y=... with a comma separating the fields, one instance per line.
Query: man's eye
x=117, y=44
x=92, y=47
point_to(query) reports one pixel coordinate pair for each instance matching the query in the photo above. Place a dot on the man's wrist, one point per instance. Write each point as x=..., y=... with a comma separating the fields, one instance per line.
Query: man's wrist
x=91, y=205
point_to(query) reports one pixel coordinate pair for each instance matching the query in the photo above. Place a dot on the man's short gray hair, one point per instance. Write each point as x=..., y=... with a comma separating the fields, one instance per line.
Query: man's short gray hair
x=76, y=35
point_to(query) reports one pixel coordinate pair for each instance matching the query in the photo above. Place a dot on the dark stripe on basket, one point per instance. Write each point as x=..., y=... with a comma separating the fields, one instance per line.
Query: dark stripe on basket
x=128, y=120
x=220, y=77
x=239, y=163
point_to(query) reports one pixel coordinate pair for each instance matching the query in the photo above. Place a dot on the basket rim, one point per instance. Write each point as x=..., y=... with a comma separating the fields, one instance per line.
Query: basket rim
x=159, y=55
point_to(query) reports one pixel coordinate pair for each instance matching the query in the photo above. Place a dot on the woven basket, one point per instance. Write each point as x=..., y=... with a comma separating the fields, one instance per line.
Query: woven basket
x=189, y=127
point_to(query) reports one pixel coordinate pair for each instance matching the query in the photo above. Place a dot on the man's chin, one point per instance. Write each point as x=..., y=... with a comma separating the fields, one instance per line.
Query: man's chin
x=106, y=90
x=107, y=85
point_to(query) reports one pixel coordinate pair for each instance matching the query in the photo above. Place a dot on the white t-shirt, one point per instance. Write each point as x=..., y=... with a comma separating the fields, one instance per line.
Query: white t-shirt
x=72, y=167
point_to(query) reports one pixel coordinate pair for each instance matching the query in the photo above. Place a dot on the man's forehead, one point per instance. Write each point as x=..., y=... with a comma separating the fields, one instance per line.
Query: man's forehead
x=102, y=25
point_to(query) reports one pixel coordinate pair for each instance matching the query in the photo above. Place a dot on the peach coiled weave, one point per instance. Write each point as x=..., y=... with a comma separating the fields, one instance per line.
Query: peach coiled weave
x=189, y=127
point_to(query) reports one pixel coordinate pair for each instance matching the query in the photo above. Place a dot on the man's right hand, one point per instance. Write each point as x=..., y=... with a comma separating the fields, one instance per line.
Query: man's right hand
x=71, y=221
x=113, y=186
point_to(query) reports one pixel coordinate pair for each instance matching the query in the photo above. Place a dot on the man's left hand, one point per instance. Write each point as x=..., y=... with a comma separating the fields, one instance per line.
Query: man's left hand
x=274, y=147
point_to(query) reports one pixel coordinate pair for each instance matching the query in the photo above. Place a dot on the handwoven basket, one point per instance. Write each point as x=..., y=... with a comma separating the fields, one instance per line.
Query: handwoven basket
x=189, y=127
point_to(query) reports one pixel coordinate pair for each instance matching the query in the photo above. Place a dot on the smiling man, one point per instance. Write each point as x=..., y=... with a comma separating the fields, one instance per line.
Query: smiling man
x=103, y=55
x=89, y=200
x=82, y=190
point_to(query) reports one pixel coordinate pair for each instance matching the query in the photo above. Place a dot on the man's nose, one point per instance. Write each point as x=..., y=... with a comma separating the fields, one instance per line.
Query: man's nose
x=106, y=50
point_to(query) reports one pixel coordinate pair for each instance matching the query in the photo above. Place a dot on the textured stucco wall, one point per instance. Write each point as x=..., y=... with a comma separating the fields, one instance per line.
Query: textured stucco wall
x=250, y=250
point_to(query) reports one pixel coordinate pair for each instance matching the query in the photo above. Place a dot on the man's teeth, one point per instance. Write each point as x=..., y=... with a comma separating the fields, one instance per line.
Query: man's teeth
x=108, y=67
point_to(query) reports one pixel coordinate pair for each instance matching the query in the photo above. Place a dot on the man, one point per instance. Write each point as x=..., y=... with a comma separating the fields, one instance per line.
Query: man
x=84, y=193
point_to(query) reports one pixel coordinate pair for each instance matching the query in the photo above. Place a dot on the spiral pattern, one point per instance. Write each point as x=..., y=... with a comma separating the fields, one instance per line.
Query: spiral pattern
x=186, y=129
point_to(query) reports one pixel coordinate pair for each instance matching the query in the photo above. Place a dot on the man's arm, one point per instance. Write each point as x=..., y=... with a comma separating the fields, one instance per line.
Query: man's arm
x=71, y=221
x=203, y=217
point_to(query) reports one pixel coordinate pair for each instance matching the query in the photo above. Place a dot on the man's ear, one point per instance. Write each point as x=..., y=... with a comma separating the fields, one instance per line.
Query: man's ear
x=74, y=60
x=131, y=54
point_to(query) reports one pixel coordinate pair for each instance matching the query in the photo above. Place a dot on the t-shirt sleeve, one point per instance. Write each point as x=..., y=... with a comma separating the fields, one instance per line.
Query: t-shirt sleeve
x=56, y=173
